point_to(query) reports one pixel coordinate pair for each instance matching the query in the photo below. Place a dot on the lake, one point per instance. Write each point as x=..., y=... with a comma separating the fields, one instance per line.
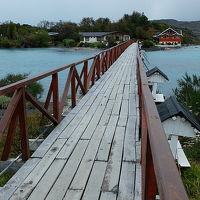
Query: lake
x=38, y=60
x=175, y=63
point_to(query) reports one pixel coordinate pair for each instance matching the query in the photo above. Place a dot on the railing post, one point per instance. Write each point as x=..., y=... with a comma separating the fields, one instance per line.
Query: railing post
x=23, y=127
x=107, y=59
x=73, y=90
x=10, y=137
x=85, y=80
x=56, y=113
x=98, y=67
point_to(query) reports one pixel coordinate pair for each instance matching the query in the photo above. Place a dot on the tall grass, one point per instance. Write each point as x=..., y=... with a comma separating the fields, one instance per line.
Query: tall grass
x=191, y=180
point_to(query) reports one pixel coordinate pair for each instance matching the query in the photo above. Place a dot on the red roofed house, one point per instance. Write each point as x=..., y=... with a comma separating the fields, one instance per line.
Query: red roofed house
x=170, y=37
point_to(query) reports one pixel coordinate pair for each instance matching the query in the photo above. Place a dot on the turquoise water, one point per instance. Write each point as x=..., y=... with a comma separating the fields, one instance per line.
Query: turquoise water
x=175, y=63
x=38, y=60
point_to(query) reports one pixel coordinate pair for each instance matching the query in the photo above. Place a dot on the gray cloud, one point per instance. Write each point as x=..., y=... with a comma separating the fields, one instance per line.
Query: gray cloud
x=33, y=11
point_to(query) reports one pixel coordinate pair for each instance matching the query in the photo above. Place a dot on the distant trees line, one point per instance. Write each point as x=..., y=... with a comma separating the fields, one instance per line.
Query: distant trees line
x=136, y=25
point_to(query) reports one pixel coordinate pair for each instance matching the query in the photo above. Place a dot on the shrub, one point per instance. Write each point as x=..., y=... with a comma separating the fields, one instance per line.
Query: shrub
x=38, y=39
x=35, y=89
x=6, y=43
x=147, y=44
x=4, y=101
x=69, y=43
x=188, y=93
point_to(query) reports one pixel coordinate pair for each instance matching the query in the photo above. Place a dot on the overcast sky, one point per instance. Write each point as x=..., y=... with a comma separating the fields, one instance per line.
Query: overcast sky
x=33, y=11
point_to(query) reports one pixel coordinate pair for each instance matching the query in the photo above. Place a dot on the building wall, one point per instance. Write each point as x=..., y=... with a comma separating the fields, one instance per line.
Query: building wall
x=170, y=39
x=156, y=78
x=117, y=37
x=179, y=126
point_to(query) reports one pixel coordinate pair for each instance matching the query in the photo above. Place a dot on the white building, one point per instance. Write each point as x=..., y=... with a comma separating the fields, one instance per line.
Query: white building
x=91, y=37
x=155, y=76
x=177, y=121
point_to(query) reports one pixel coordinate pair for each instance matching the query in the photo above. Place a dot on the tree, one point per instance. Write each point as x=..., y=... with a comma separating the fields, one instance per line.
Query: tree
x=188, y=93
x=46, y=24
x=12, y=31
x=66, y=30
x=87, y=24
x=38, y=39
x=36, y=89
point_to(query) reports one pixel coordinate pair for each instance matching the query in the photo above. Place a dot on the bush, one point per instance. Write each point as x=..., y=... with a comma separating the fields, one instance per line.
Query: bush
x=35, y=89
x=147, y=44
x=39, y=39
x=188, y=93
x=111, y=41
x=69, y=43
x=4, y=101
x=6, y=43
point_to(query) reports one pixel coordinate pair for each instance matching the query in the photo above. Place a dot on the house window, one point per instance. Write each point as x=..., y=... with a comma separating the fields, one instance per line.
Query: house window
x=86, y=38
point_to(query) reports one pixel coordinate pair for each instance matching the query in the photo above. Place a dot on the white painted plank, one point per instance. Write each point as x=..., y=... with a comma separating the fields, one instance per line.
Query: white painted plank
x=93, y=188
x=73, y=195
x=47, y=143
x=138, y=152
x=122, y=120
x=45, y=184
x=108, y=196
x=72, y=141
x=111, y=179
x=75, y=122
x=127, y=182
x=83, y=172
x=63, y=181
x=137, y=133
x=126, y=92
x=93, y=123
x=117, y=105
x=18, y=178
x=107, y=113
x=106, y=142
x=124, y=107
x=132, y=105
x=34, y=177
x=138, y=183
x=130, y=140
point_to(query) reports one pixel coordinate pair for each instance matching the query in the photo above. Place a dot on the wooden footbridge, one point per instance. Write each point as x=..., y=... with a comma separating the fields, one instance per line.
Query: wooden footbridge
x=111, y=146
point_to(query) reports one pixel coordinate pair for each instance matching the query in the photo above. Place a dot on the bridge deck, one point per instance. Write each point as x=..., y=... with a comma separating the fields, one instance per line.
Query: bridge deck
x=95, y=152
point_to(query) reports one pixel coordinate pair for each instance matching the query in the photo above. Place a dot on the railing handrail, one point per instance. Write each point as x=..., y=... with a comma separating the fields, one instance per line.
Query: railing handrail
x=156, y=150
x=29, y=80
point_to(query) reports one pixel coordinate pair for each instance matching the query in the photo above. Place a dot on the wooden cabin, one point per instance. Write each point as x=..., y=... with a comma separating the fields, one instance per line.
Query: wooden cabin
x=155, y=76
x=92, y=37
x=170, y=38
x=177, y=121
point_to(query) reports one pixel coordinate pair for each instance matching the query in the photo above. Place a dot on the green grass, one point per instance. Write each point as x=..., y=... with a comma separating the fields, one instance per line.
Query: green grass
x=5, y=177
x=191, y=176
x=191, y=180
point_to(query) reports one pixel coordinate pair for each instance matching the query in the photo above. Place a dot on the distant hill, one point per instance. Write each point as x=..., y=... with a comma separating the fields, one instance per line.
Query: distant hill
x=194, y=26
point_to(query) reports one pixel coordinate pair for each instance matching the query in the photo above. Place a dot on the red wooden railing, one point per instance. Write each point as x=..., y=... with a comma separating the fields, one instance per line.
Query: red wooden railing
x=159, y=171
x=17, y=107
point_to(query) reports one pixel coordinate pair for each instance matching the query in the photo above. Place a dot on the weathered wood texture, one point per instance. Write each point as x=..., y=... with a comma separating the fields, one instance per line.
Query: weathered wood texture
x=94, y=153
